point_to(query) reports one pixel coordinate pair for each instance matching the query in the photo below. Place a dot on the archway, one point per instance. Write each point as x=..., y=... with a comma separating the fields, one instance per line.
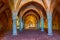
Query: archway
x=33, y=6
x=31, y=19
x=37, y=5
x=31, y=22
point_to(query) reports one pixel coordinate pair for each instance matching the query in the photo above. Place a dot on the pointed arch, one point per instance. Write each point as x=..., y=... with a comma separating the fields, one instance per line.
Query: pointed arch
x=38, y=5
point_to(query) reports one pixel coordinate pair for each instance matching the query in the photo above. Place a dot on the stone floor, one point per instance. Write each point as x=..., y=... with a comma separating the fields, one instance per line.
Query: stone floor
x=30, y=35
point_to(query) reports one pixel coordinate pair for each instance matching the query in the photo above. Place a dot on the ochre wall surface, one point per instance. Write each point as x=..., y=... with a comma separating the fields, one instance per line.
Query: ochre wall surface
x=5, y=17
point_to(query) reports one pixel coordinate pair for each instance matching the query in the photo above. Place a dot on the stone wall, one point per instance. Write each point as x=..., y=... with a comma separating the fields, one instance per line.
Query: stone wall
x=5, y=17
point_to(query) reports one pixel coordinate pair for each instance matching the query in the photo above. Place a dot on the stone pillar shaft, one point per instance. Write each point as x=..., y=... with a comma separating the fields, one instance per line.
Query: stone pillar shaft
x=42, y=23
x=14, y=15
x=38, y=24
x=14, y=27
x=49, y=17
x=21, y=24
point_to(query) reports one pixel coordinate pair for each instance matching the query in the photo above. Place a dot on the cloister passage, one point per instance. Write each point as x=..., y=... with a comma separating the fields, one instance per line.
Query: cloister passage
x=29, y=19
x=32, y=22
x=39, y=9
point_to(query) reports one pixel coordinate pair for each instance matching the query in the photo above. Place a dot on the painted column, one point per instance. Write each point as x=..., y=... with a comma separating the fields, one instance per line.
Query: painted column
x=42, y=24
x=21, y=24
x=38, y=24
x=14, y=23
x=49, y=17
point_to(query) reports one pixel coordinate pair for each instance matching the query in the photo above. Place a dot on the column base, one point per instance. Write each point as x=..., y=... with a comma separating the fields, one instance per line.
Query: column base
x=42, y=30
x=50, y=34
x=20, y=30
x=38, y=28
x=14, y=34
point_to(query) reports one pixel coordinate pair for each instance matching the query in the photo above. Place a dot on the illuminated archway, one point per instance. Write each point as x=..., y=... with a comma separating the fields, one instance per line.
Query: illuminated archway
x=36, y=6
x=31, y=17
x=31, y=22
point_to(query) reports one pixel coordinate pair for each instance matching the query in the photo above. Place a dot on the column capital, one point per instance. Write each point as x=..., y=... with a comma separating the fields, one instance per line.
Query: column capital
x=49, y=13
x=48, y=2
x=14, y=14
x=42, y=17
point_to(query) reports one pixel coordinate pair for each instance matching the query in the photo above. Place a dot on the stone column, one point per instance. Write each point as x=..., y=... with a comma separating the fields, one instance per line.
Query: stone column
x=14, y=23
x=49, y=17
x=38, y=24
x=42, y=24
x=21, y=24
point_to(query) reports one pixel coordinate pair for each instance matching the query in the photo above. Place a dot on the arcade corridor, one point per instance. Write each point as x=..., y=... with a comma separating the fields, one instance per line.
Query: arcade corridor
x=29, y=19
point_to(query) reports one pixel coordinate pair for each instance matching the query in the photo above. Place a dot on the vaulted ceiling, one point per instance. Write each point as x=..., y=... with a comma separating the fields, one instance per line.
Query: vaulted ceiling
x=6, y=6
x=9, y=5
